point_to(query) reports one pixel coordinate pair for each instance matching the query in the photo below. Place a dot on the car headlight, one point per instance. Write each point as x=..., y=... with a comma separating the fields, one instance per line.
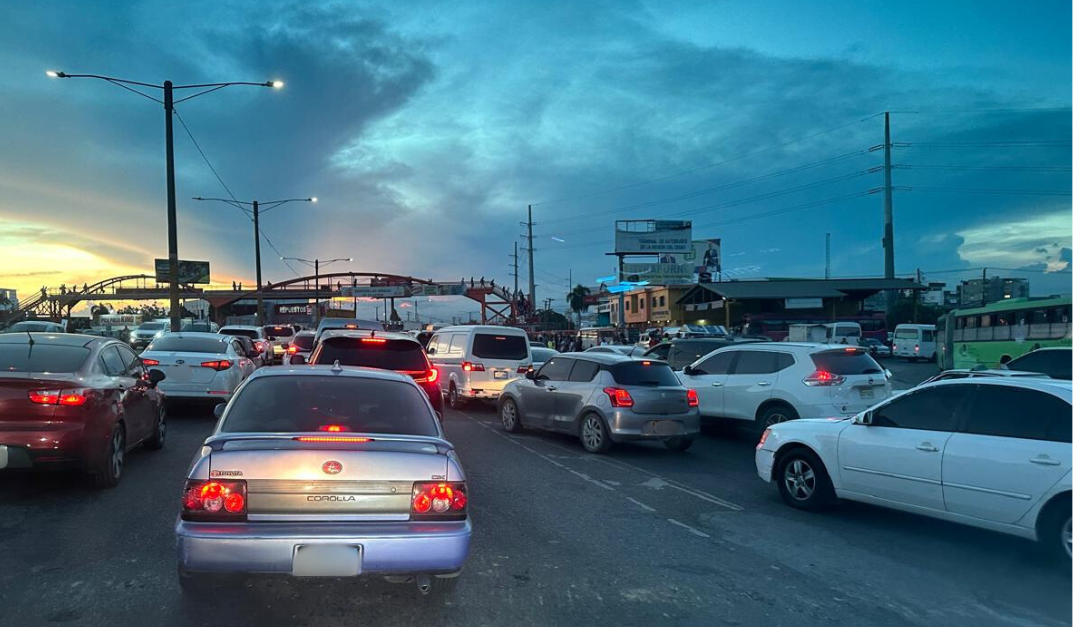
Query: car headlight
x=159, y=333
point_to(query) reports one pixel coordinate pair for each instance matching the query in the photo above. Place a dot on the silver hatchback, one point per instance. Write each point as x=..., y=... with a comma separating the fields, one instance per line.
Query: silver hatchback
x=603, y=398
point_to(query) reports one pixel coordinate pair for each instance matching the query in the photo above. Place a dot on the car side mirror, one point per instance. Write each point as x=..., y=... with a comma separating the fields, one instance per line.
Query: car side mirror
x=888, y=373
x=430, y=350
x=298, y=360
x=864, y=419
x=688, y=371
x=530, y=374
x=218, y=411
x=156, y=376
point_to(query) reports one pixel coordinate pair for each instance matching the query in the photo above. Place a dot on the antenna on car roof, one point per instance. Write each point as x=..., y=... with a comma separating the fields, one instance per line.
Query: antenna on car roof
x=31, y=338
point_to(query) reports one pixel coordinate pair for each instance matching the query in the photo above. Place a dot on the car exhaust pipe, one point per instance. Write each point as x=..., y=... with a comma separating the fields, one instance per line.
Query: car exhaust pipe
x=424, y=583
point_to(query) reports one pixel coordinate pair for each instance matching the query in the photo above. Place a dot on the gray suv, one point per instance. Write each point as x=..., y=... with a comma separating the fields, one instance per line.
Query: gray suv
x=603, y=398
x=679, y=353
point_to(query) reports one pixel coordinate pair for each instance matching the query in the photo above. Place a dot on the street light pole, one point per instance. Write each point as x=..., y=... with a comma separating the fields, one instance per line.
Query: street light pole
x=256, y=213
x=169, y=102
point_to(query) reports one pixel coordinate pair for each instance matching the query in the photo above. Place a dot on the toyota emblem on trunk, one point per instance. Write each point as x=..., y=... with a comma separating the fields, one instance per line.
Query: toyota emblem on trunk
x=332, y=467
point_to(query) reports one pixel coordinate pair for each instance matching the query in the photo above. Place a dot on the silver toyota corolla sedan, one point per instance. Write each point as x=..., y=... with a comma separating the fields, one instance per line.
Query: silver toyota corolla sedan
x=603, y=398
x=325, y=471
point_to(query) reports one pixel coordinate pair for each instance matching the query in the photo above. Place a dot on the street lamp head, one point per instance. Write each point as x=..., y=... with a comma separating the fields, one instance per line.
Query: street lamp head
x=274, y=84
x=55, y=74
x=313, y=199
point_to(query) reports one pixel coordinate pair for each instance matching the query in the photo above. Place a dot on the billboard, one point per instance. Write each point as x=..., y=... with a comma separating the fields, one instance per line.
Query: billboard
x=375, y=291
x=658, y=273
x=189, y=271
x=707, y=259
x=652, y=237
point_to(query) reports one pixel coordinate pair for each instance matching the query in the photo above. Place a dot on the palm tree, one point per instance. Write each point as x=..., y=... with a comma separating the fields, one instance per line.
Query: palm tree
x=576, y=298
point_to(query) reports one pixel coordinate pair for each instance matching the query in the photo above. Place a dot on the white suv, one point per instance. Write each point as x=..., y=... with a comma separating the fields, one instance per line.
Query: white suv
x=475, y=362
x=991, y=452
x=771, y=382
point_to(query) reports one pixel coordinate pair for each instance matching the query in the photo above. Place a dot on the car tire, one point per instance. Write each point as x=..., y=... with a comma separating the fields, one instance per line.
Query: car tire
x=1055, y=532
x=157, y=438
x=594, y=434
x=679, y=445
x=774, y=414
x=454, y=400
x=803, y=480
x=110, y=471
x=509, y=416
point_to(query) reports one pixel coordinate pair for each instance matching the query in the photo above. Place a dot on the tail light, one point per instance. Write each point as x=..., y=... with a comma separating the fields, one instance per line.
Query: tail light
x=469, y=366
x=439, y=501
x=259, y=346
x=619, y=397
x=222, y=364
x=916, y=349
x=691, y=396
x=292, y=349
x=333, y=439
x=763, y=438
x=895, y=347
x=214, y=500
x=150, y=362
x=823, y=378
x=71, y=398
x=373, y=340
x=424, y=376
x=524, y=369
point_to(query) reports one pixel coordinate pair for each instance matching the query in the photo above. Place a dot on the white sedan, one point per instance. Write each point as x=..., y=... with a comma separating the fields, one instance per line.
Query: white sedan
x=199, y=365
x=987, y=452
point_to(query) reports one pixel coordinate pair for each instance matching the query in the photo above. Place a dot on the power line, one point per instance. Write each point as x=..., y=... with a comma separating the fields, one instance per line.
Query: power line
x=1042, y=143
x=710, y=165
x=987, y=168
x=716, y=188
x=997, y=110
x=970, y=190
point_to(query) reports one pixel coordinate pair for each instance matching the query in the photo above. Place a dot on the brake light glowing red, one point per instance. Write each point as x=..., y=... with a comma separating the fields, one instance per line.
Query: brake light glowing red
x=71, y=398
x=214, y=500
x=333, y=428
x=439, y=500
x=691, y=396
x=423, y=376
x=824, y=378
x=373, y=340
x=469, y=366
x=292, y=349
x=619, y=397
x=332, y=439
x=763, y=438
x=146, y=361
x=221, y=364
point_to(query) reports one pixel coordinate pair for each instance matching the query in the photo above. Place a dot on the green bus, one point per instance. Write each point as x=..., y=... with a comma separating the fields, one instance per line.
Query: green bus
x=994, y=334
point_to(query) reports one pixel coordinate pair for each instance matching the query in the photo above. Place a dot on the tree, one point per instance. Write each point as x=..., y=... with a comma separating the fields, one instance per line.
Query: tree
x=576, y=300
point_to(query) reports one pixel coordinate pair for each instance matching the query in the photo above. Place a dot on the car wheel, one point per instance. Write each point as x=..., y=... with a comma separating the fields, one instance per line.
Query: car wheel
x=803, y=481
x=160, y=431
x=508, y=415
x=111, y=469
x=678, y=444
x=1056, y=533
x=454, y=399
x=775, y=414
x=594, y=434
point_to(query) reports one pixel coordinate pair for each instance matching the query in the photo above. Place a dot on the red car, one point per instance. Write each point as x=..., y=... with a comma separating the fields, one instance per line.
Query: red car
x=76, y=400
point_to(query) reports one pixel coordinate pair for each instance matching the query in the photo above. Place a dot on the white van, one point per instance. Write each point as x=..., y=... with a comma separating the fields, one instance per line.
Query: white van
x=915, y=341
x=816, y=333
x=843, y=333
x=475, y=362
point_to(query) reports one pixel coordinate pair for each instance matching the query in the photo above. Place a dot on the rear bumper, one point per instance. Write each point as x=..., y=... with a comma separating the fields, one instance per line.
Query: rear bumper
x=194, y=391
x=627, y=426
x=765, y=460
x=140, y=343
x=396, y=548
x=61, y=445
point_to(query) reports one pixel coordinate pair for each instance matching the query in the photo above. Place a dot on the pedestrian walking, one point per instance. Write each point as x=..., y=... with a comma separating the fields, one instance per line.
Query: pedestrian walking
x=234, y=286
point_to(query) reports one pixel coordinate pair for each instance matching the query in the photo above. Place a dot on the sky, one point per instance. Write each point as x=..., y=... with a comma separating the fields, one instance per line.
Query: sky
x=426, y=128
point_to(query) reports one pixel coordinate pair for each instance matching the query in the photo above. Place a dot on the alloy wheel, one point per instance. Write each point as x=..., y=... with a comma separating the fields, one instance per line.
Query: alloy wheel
x=592, y=433
x=509, y=415
x=774, y=419
x=1067, y=537
x=800, y=479
x=116, y=461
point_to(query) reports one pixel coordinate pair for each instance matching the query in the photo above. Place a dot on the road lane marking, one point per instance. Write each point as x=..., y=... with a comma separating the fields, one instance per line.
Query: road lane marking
x=640, y=504
x=696, y=532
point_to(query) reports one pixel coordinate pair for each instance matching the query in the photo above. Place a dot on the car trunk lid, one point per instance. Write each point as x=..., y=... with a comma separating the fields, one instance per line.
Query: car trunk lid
x=183, y=367
x=659, y=400
x=17, y=411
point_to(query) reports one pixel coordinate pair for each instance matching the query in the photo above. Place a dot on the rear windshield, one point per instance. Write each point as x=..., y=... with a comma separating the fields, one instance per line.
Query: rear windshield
x=188, y=345
x=151, y=326
x=372, y=352
x=250, y=333
x=490, y=346
x=41, y=357
x=198, y=327
x=847, y=332
x=648, y=373
x=906, y=334
x=274, y=332
x=846, y=362
x=304, y=342
x=312, y=403
x=32, y=326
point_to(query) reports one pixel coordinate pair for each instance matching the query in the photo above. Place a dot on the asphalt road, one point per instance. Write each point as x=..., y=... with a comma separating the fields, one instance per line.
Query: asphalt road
x=641, y=536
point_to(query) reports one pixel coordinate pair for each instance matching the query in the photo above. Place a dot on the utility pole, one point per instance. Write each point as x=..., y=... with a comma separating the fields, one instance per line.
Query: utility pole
x=514, y=263
x=983, y=289
x=888, y=213
x=316, y=290
x=916, y=299
x=827, y=256
x=173, y=227
x=257, y=251
x=532, y=280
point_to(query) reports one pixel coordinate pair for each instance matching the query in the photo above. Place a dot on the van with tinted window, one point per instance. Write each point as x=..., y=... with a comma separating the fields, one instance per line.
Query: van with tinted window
x=915, y=341
x=475, y=362
x=843, y=333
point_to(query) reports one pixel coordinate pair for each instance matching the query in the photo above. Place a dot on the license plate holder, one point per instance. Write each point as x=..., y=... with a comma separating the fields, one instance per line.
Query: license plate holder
x=867, y=393
x=500, y=374
x=326, y=560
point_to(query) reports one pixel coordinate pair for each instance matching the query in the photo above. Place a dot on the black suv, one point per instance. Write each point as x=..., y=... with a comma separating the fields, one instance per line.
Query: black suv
x=679, y=353
x=372, y=349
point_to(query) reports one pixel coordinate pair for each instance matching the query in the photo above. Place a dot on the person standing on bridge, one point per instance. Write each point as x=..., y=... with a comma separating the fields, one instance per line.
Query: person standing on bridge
x=234, y=286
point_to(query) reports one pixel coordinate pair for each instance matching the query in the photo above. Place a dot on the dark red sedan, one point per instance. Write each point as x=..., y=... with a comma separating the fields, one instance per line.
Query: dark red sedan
x=76, y=400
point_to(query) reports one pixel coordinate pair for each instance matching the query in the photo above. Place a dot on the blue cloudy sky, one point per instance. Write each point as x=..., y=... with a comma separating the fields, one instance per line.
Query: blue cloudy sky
x=427, y=127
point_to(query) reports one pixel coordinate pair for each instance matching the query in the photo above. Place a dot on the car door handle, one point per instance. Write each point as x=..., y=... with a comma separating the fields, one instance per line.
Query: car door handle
x=764, y=383
x=551, y=388
x=927, y=447
x=717, y=384
x=1045, y=461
